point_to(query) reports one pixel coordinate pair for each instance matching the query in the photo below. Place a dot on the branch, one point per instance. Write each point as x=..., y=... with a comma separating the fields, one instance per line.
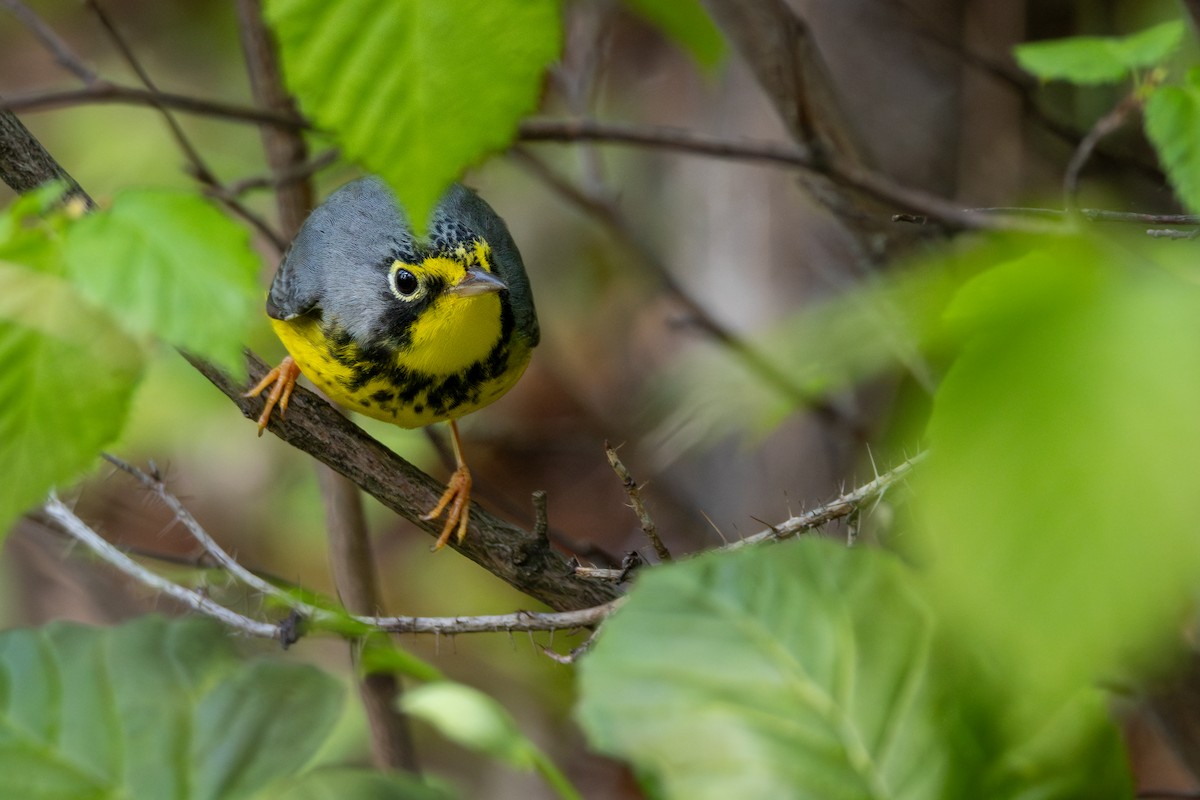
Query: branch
x=199, y=168
x=512, y=554
x=837, y=169
x=635, y=498
x=52, y=41
x=1104, y=126
x=350, y=555
x=79, y=530
x=65, y=520
x=747, y=352
x=25, y=164
x=102, y=91
x=843, y=506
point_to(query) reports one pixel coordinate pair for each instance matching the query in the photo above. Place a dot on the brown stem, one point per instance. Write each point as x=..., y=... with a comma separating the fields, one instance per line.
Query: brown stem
x=349, y=545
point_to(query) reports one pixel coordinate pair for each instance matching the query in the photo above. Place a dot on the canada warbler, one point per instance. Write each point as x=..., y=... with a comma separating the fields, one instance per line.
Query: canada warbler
x=404, y=329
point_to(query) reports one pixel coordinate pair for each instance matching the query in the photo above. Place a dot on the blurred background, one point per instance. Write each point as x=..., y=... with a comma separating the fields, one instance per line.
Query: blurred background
x=929, y=92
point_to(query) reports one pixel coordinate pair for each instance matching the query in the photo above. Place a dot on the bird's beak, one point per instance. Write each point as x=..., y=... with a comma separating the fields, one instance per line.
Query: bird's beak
x=477, y=281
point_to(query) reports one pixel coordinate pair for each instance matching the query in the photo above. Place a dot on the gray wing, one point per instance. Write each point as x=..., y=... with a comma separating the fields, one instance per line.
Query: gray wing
x=463, y=206
x=344, y=243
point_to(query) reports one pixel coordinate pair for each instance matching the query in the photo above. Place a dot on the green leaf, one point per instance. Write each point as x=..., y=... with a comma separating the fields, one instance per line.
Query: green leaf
x=65, y=389
x=171, y=265
x=1090, y=60
x=381, y=655
x=686, y=22
x=475, y=720
x=30, y=229
x=417, y=90
x=358, y=784
x=758, y=674
x=1172, y=120
x=152, y=709
x=809, y=670
x=1059, y=498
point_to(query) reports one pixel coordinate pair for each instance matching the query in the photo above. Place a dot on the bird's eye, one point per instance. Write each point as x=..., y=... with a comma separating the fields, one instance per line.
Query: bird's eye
x=406, y=283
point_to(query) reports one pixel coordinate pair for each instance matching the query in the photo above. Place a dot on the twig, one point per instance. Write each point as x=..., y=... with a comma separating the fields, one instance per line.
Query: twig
x=200, y=169
x=1104, y=126
x=635, y=498
x=79, y=530
x=571, y=657
x=214, y=550
x=756, y=361
x=519, y=621
x=284, y=176
x=53, y=42
x=1170, y=233
x=601, y=573
x=541, y=517
x=103, y=91
x=872, y=183
x=666, y=138
x=844, y=506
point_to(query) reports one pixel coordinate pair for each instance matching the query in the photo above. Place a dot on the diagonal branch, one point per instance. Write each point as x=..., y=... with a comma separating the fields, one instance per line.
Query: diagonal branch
x=516, y=556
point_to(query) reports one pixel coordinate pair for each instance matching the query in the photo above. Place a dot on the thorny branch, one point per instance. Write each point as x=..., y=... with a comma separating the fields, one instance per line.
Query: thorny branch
x=635, y=498
x=517, y=621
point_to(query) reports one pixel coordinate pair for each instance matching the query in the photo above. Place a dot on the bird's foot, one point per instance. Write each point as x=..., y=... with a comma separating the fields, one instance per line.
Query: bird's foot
x=457, y=498
x=282, y=380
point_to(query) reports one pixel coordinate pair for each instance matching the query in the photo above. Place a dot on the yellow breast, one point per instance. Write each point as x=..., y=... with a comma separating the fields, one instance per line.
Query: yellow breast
x=455, y=364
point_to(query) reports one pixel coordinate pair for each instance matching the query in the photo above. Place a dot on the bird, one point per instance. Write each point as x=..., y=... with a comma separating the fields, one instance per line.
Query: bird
x=406, y=328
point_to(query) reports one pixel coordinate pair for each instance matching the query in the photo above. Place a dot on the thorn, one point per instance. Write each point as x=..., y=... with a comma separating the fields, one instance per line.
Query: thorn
x=709, y=520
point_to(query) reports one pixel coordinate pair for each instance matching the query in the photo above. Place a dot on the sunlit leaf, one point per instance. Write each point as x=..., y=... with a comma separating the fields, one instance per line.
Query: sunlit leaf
x=417, y=90
x=759, y=673
x=68, y=378
x=1059, y=499
x=809, y=670
x=475, y=720
x=1172, y=119
x=1092, y=60
x=686, y=22
x=381, y=655
x=169, y=264
x=152, y=709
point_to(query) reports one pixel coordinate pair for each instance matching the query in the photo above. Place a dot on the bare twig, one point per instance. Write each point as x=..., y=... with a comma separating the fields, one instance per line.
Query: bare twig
x=666, y=138
x=752, y=357
x=635, y=498
x=571, y=657
x=80, y=531
x=1104, y=126
x=282, y=177
x=844, y=506
x=103, y=91
x=840, y=171
x=1171, y=233
x=53, y=42
x=199, y=168
x=541, y=517
x=516, y=622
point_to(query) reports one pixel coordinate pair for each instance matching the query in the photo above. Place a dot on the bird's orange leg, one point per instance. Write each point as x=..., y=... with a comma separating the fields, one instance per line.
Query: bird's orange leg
x=457, y=497
x=282, y=380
